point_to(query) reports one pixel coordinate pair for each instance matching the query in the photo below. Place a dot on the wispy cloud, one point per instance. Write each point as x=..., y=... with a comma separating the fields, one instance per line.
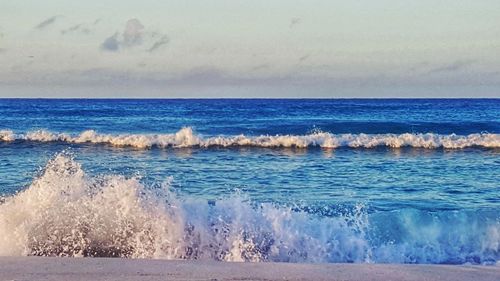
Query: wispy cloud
x=131, y=36
x=294, y=22
x=76, y=28
x=261, y=67
x=47, y=22
x=134, y=35
x=82, y=28
x=452, y=67
x=72, y=28
x=160, y=42
x=304, y=57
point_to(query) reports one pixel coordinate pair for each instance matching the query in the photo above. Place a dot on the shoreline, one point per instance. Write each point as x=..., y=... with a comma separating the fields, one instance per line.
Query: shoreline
x=65, y=269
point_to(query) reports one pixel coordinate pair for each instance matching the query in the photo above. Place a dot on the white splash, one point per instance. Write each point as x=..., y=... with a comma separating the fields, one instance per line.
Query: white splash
x=64, y=212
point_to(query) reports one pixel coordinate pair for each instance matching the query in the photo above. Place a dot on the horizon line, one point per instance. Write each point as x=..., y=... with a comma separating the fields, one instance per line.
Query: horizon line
x=246, y=98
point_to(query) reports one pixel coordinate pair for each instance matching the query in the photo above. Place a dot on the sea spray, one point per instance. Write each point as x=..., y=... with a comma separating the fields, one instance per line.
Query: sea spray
x=66, y=212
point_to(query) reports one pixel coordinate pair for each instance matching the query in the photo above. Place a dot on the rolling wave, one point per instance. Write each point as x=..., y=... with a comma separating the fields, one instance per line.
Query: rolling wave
x=66, y=212
x=187, y=138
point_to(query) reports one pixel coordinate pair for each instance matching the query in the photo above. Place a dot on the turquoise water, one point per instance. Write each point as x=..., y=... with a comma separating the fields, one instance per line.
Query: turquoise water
x=404, y=181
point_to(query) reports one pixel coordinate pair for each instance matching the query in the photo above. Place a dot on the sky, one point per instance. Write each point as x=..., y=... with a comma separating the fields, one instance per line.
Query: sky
x=258, y=48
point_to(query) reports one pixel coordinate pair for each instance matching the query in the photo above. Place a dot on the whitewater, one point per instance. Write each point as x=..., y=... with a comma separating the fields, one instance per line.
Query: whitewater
x=185, y=137
x=300, y=181
x=66, y=212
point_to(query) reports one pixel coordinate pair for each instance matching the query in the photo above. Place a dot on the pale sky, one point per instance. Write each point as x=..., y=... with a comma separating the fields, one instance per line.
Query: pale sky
x=236, y=48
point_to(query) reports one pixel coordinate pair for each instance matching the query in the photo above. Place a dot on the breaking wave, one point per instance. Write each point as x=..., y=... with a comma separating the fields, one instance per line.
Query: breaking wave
x=187, y=138
x=66, y=212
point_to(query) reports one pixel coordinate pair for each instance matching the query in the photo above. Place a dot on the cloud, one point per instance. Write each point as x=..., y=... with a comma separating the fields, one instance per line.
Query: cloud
x=160, y=42
x=111, y=43
x=294, y=22
x=133, y=33
x=261, y=67
x=304, y=57
x=47, y=22
x=211, y=80
x=73, y=28
x=456, y=66
x=81, y=28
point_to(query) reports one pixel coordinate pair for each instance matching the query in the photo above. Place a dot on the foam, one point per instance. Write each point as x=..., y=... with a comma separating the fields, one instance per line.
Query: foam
x=187, y=138
x=66, y=212
x=7, y=135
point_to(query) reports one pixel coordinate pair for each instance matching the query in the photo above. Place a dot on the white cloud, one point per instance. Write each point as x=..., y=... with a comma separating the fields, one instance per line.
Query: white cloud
x=133, y=33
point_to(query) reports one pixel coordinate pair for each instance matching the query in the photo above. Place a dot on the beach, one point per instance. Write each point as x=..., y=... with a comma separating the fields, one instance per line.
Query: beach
x=64, y=269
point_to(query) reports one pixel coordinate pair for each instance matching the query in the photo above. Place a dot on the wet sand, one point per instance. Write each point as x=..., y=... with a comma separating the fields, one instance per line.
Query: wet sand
x=65, y=269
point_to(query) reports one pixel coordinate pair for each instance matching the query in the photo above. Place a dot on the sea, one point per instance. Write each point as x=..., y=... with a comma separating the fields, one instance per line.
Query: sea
x=252, y=180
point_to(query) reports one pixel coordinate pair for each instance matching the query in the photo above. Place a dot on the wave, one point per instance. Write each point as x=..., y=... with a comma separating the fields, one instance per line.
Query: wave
x=66, y=212
x=187, y=138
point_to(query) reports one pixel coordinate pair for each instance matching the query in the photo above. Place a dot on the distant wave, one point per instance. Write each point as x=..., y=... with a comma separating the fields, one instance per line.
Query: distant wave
x=67, y=212
x=187, y=138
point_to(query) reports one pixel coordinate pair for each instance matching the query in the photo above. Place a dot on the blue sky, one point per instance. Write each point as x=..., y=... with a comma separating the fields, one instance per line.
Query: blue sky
x=235, y=48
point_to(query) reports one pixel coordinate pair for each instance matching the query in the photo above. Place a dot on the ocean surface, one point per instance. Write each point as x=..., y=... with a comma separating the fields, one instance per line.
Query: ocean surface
x=344, y=180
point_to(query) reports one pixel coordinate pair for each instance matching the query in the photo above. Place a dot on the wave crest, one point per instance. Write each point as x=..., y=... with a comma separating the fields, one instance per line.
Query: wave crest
x=187, y=138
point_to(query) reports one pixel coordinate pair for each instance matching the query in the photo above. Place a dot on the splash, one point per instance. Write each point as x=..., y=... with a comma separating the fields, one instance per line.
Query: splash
x=187, y=138
x=66, y=212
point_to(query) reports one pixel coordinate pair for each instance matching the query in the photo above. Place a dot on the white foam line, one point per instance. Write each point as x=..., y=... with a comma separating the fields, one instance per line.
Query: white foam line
x=187, y=138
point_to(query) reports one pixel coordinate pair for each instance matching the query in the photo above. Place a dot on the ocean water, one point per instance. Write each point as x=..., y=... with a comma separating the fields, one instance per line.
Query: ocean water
x=375, y=180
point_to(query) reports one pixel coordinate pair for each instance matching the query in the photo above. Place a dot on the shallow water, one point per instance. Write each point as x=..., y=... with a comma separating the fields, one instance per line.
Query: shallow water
x=405, y=181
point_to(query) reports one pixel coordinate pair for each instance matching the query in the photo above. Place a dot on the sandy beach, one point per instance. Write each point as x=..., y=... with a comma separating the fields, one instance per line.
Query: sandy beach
x=63, y=269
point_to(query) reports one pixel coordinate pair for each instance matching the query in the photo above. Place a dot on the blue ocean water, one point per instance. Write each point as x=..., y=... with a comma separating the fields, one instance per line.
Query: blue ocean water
x=344, y=180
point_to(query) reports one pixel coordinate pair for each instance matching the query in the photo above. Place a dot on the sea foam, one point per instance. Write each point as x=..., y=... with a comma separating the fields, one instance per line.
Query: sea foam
x=187, y=138
x=66, y=212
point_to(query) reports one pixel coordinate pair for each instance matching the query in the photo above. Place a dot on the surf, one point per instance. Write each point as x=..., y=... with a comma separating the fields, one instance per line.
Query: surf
x=186, y=137
x=68, y=212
